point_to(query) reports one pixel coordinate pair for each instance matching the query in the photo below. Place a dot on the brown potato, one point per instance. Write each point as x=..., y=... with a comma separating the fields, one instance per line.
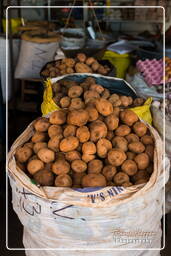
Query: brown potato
x=138, y=102
x=127, y=184
x=48, y=166
x=33, y=157
x=21, y=166
x=85, y=86
x=44, y=177
x=93, y=114
x=101, y=70
x=56, y=87
x=130, y=155
x=76, y=103
x=97, y=87
x=122, y=130
x=113, y=98
x=54, y=143
x=140, y=128
x=77, y=177
x=136, y=147
x=41, y=125
x=72, y=155
x=110, y=135
x=87, y=157
x=142, y=174
x=89, y=148
x=141, y=181
x=39, y=137
x=69, y=62
x=46, y=155
x=90, y=61
x=63, y=180
x=78, y=166
x=93, y=180
x=78, y=117
x=55, y=130
x=103, y=146
x=69, y=70
x=104, y=107
x=109, y=171
x=149, y=150
x=29, y=145
x=95, y=66
x=34, y=166
x=82, y=68
x=65, y=102
x=81, y=57
x=116, y=111
x=120, y=142
x=22, y=154
x=75, y=91
x=120, y=178
x=129, y=167
x=124, y=101
x=58, y=117
x=83, y=134
x=105, y=93
x=90, y=102
x=60, y=167
x=132, y=138
x=116, y=156
x=70, y=130
x=147, y=139
x=95, y=166
x=112, y=122
x=90, y=80
x=37, y=146
x=117, y=103
x=98, y=130
x=69, y=144
x=130, y=100
x=142, y=161
x=57, y=98
x=90, y=94
x=128, y=117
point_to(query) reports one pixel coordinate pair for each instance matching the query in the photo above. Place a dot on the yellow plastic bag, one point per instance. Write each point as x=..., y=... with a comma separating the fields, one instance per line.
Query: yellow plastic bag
x=144, y=112
x=15, y=23
x=48, y=105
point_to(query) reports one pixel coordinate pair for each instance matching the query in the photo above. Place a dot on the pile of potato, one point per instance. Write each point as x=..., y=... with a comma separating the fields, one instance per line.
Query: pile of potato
x=100, y=143
x=80, y=64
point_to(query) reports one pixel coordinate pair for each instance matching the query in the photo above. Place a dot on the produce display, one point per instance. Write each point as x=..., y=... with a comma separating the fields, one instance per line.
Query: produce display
x=93, y=141
x=80, y=64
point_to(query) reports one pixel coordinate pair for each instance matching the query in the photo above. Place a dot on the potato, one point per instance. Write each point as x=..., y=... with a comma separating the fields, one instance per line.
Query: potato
x=120, y=178
x=105, y=93
x=63, y=180
x=87, y=157
x=116, y=111
x=78, y=117
x=96, y=87
x=60, y=167
x=103, y=146
x=72, y=155
x=81, y=57
x=112, y=122
x=78, y=166
x=122, y=130
x=69, y=144
x=130, y=155
x=128, y=117
x=65, y=102
x=140, y=128
x=77, y=177
x=98, y=130
x=39, y=137
x=44, y=177
x=104, y=107
x=90, y=94
x=55, y=130
x=21, y=166
x=70, y=130
x=138, y=102
x=129, y=167
x=83, y=134
x=116, y=156
x=95, y=66
x=93, y=180
x=69, y=62
x=92, y=112
x=46, y=155
x=110, y=135
x=48, y=166
x=58, y=117
x=95, y=166
x=29, y=145
x=82, y=68
x=142, y=174
x=22, y=154
x=120, y=142
x=124, y=101
x=142, y=161
x=41, y=125
x=90, y=80
x=37, y=146
x=75, y=91
x=101, y=70
x=127, y=184
x=33, y=157
x=56, y=87
x=149, y=150
x=69, y=70
x=147, y=139
x=76, y=103
x=89, y=148
x=117, y=103
x=132, y=138
x=141, y=181
x=90, y=61
x=113, y=98
x=85, y=86
x=62, y=67
x=136, y=147
x=91, y=102
x=109, y=171
x=34, y=166
x=54, y=143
